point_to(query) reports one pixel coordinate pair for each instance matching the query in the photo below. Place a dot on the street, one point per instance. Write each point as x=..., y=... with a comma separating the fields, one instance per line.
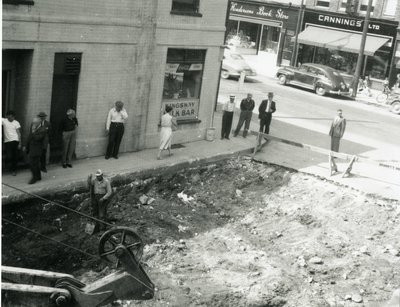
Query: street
x=305, y=117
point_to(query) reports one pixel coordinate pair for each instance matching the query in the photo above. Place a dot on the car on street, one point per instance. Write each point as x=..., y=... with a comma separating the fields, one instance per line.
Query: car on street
x=234, y=64
x=320, y=78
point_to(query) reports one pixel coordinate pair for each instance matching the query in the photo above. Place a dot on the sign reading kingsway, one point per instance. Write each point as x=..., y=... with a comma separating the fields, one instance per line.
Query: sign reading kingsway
x=183, y=108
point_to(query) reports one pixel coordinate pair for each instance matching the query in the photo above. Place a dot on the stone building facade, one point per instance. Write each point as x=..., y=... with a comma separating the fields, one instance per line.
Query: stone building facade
x=88, y=54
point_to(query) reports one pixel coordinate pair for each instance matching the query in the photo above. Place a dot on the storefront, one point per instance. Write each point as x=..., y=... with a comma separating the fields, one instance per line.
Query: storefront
x=334, y=39
x=256, y=28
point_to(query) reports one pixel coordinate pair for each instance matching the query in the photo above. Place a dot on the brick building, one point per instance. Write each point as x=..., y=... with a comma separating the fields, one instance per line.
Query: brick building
x=87, y=54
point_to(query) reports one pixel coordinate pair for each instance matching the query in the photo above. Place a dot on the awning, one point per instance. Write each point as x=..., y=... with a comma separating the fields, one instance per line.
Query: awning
x=340, y=40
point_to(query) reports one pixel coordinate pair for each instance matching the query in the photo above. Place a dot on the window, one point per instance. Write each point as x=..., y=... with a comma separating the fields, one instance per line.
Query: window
x=185, y=7
x=323, y=3
x=364, y=6
x=343, y=4
x=390, y=8
x=18, y=2
x=182, y=81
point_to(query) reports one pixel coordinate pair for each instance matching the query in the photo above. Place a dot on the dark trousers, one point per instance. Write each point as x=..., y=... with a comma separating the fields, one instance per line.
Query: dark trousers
x=265, y=122
x=99, y=208
x=245, y=117
x=114, y=139
x=226, y=124
x=43, y=159
x=12, y=154
x=35, y=167
x=335, y=142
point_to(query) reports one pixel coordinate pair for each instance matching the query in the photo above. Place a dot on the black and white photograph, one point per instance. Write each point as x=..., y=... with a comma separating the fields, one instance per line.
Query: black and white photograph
x=200, y=153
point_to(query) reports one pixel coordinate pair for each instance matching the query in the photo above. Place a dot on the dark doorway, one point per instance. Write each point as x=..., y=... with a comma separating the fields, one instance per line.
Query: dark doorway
x=5, y=91
x=67, y=67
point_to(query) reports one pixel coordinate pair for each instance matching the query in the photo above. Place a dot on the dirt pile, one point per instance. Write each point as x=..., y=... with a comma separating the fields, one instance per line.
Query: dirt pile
x=236, y=234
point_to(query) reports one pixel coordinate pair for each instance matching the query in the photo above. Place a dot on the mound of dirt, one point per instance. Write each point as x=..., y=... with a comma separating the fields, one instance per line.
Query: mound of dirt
x=236, y=233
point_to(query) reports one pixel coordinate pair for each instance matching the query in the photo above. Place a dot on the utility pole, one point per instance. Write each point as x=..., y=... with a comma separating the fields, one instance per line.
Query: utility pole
x=293, y=60
x=362, y=47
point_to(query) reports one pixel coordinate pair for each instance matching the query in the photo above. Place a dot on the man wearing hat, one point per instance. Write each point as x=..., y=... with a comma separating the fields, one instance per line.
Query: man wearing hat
x=68, y=127
x=246, y=112
x=45, y=124
x=100, y=193
x=228, y=108
x=115, y=128
x=34, y=148
x=265, y=110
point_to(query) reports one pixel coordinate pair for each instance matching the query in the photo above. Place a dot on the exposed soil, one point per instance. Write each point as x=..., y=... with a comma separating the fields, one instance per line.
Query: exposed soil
x=240, y=234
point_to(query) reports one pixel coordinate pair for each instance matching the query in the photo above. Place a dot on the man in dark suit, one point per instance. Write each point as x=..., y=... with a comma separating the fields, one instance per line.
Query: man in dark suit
x=34, y=148
x=265, y=110
x=246, y=112
x=45, y=124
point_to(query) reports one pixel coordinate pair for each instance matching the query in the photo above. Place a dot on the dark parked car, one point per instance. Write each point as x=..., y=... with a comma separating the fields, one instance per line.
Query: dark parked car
x=320, y=78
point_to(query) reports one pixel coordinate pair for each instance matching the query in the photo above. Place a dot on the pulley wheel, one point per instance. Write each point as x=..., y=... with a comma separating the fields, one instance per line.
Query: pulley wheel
x=117, y=237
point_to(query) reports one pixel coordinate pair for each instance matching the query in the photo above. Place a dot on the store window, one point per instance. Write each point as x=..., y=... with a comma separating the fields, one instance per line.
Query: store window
x=323, y=3
x=377, y=66
x=390, y=8
x=182, y=81
x=242, y=36
x=364, y=6
x=185, y=7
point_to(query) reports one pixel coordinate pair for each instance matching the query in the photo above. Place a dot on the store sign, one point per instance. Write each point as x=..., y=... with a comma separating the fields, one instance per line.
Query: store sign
x=183, y=108
x=260, y=11
x=350, y=23
x=180, y=68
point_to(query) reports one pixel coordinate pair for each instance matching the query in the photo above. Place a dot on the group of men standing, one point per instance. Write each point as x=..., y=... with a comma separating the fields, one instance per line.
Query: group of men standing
x=265, y=110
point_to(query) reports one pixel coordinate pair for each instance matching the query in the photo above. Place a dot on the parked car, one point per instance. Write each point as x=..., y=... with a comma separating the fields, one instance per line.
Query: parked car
x=233, y=64
x=319, y=78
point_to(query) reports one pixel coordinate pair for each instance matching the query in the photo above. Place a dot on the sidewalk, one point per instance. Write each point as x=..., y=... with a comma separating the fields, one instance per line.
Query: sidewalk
x=366, y=178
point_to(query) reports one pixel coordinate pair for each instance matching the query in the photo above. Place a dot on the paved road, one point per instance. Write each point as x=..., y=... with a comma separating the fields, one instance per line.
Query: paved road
x=303, y=116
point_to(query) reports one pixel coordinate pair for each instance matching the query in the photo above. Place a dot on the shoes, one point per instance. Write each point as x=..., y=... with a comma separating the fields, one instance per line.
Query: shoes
x=227, y=138
x=69, y=165
x=235, y=135
x=14, y=173
x=32, y=181
x=64, y=165
x=107, y=157
x=222, y=138
x=44, y=170
x=115, y=157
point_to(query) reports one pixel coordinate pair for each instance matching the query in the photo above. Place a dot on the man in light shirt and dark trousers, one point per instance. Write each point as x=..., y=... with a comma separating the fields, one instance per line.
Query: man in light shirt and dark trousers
x=115, y=129
x=228, y=108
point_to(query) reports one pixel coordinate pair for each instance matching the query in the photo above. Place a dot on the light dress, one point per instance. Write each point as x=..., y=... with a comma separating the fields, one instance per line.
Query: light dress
x=166, y=131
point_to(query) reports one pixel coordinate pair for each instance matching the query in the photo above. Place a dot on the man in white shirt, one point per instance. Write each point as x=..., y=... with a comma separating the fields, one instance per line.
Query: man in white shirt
x=228, y=108
x=115, y=129
x=12, y=139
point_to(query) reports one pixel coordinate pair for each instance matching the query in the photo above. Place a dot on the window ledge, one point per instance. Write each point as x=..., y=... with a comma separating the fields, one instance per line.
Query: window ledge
x=18, y=2
x=188, y=121
x=185, y=13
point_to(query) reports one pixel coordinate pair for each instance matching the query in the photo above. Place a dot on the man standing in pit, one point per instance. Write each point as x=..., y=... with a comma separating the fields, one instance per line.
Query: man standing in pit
x=246, y=112
x=115, y=129
x=100, y=193
x=228, y=108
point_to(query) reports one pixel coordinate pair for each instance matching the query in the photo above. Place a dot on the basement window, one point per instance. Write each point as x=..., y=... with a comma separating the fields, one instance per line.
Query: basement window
x=19, y=2
x=186, y=7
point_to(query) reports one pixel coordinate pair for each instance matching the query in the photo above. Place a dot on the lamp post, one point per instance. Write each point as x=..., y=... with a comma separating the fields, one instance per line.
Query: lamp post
x=362, y=48
x=293, y=61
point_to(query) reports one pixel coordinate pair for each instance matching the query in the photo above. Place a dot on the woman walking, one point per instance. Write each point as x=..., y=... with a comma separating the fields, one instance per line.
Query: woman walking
x=168, y=123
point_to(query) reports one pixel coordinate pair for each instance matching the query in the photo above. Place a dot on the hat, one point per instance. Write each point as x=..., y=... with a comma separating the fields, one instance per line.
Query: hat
x=42, y=114
x=232, y=96
x=99, y=172
x=270, y=93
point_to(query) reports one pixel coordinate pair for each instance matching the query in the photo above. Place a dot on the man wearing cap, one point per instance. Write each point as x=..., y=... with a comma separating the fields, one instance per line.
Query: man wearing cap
x=115, y=128
x=246, y=112
x=46, y=127
x=265, y=110
x=68, y=128
x=228, y=109
x=100, y=190
x=34, y=148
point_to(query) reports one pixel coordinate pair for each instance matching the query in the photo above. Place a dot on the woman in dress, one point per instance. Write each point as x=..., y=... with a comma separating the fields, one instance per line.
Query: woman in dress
x=168, y=123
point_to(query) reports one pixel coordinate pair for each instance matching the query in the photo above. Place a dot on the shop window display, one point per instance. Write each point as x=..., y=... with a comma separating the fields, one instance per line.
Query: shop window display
x=183, y=74
x=242, y=34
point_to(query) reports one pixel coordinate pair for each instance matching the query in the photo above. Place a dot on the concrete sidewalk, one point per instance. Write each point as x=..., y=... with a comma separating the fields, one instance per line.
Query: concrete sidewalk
x=366, y=178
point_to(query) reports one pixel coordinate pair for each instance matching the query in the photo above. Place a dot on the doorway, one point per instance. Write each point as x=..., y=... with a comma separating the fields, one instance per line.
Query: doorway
x=67, y=67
